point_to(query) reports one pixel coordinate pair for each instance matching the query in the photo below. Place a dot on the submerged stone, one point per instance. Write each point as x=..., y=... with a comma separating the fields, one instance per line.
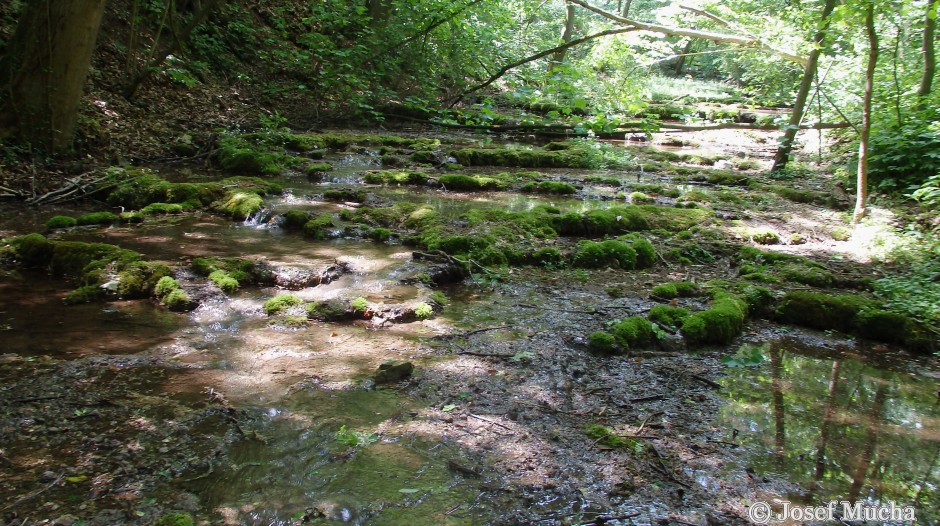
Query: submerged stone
x=393, y=371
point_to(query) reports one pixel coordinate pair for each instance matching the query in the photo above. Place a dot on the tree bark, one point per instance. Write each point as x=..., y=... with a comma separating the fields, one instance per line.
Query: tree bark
x=930, y=59
x=44, y=71
x=861, y=196
x=809, y=72
x=559, y=57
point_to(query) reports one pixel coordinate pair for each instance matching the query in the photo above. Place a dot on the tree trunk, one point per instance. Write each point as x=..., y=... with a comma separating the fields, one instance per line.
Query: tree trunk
x=44, y=71
x=776, y=386
x=809, y=72
x=559, y=57
x=871, y=439
x=380, y=11
x=861, y=198
x=930, y=59
x=821, y=443
x=626, y=9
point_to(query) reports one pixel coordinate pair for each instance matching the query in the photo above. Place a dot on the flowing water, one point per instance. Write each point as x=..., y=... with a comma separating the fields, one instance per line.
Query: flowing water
x=318, y=444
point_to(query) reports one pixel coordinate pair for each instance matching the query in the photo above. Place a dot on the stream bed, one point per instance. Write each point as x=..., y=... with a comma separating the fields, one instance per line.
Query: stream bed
x=119, y=412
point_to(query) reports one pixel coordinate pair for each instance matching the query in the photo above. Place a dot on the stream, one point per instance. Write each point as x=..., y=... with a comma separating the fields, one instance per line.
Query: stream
x=255, y=423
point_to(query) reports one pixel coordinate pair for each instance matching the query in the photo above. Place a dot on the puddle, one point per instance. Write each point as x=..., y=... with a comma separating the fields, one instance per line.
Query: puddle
x=843, y=428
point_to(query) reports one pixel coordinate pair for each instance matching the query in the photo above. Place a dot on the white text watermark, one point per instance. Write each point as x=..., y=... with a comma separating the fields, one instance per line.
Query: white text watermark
x=763, y=513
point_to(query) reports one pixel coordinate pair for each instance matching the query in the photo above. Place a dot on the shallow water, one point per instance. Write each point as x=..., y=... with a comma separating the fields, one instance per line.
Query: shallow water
x=844, y=427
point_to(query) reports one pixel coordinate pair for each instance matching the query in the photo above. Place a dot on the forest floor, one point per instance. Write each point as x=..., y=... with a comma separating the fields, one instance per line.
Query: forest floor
x=506, y=388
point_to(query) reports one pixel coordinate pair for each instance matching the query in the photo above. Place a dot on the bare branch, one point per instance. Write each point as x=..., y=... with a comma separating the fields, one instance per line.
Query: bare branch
x=721, y=38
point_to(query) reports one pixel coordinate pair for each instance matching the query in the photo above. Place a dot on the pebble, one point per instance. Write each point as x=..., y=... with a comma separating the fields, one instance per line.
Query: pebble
x=47, y=476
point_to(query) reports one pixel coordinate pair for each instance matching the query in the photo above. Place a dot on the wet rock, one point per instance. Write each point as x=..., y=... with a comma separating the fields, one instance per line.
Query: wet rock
x=393, y=371
x=295, y=278
x=48, y=476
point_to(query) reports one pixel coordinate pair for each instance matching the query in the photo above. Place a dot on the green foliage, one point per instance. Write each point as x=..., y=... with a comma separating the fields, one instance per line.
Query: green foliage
x=175, y=519
x=359, y=304
x=280, y=303
x=928, y=194
x=354, y=438
x=423, y=310
x=747, y=356
x=60, y=222
x=904, y=157
x=604, y=435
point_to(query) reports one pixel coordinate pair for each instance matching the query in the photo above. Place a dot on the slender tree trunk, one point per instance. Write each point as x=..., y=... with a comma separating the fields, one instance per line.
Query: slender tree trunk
x=826, y=423
x=930, y=60
x=871, y=439
x=809, y=73
x=776, y=385
x=625, y=12
x=559, y=57
x=44, y=70
x=861, y=199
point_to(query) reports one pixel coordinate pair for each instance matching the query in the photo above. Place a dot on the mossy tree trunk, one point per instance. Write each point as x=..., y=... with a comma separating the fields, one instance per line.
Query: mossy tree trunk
x=44, y=71
x=782, y=157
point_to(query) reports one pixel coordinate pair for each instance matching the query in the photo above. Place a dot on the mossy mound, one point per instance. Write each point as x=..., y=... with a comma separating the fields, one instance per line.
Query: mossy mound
x=336, y=310
x=668, y=316
x=84, y=294
x=239, y=205
x=721, y=323
x=294, y=219
x=97, y=218
x=396, y=177
x=239, y=156
x=244, y=271
x=602, y=342
x=319, y=227
x=165, y=286
x=633, y=332
x=175, y=519
x=224, y=281
x=71, y=258
x=604, y=254
x=137, y=188
x=60, y=222
x=138, y=279
x=631, y=218
x=851, y=314
x=471, y=183
x=773, y=267
x=280, y=303
x=178, y=301
x=549, y=187
x=676, y=289
x=345, y=194
x=162, y=208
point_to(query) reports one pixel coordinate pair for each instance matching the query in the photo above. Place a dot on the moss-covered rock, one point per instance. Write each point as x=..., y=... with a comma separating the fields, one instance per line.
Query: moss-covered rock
x=822, y=311
x=280, y=303
x=96, y=218
x=602, y=342
x=138, y=279
x=668, y=316
x=165, y=286
x=331, y=310
x=319, y=227
x=721, y=323
x=162, y=208
x=633, y=332
x=603, y=254
x=224, y=281
x=238, y=156
x=676, y=289
x=294, y=220
x=55, y=222
x=549, y=187
x=84, y=294
x=471, y=182
x=239, y=205
x=178, y=301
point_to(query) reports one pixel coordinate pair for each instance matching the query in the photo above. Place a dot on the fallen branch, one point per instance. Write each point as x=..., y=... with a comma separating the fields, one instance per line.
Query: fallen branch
x=471, y=415
x=706, y=381
x=33, y=495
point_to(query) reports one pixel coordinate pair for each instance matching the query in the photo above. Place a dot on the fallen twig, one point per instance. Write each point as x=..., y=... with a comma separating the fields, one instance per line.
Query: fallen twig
x=706, y=381
x=33, y=495
x=471, y=415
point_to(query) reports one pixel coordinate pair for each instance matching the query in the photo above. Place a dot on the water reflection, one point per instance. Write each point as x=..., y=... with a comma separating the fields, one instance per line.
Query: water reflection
x=843, y=428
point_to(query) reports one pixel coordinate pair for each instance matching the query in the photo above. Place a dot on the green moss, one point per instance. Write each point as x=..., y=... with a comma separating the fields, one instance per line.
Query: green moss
x=224, y=281
x=242, y=270
x=344, y=194
x=395, y=177
x=602, y=342
x=423, y=310
x=676, y=289
x=317, y=168
x=721, y=323
x=610, y=253
x=294, y=220
x=97, y=218
x=178, y=301
x=640, y=198
x=238, y=156
x=162, y=208
x=605, y=436
x=632, y=332
x=807, y=275
x=841, y=234
x=165, y=286
x=131, y=217
x=359, y=304
x=319, y=227
x=330, y=310
x=85, y=294
x=175, y=519
x=668, y=316
x=280, y=303
x=380, y=235
x=33, y=250
x=239, y=205
x=823, y=311
x=881, y=325
x=138, y=279
x=645, y=251
x=549, y=187
x=60, y=222
x=462, y=182
x=727, y=178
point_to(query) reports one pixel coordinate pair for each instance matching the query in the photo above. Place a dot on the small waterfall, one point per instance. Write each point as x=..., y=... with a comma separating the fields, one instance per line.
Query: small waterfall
x=258, y=219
